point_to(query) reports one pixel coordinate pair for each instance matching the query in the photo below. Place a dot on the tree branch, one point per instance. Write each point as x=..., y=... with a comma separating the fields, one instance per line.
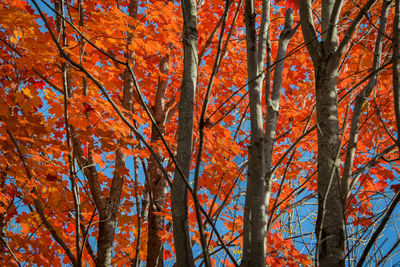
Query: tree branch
x=308, y=29
x=380, y=228
x=353, y=27
x=38, y=205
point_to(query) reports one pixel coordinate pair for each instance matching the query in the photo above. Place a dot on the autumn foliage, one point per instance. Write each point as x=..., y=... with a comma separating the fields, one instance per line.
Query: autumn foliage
x=61, y=138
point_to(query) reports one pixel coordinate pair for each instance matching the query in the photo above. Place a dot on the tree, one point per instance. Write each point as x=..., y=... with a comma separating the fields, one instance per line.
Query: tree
x=216, y=133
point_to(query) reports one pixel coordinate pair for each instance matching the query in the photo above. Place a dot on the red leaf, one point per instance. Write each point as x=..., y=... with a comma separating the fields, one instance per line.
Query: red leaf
x=40, y=84
x=85, y=151
x=88, y=108
x=29, y=9
x=70, y=228
x=58, y=134
x=293, y=4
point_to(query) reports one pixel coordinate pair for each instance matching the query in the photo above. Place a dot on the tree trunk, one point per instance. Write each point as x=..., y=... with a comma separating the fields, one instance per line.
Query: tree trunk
x=179, y=195
x=326, y=55
x=330, y=229
x=108, y=215
x=255, y=213
x=105, y=238
x=158, y=184
x=274, y=99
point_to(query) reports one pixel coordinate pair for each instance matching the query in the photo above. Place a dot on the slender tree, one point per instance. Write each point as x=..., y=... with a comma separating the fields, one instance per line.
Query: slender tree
x=179, y=191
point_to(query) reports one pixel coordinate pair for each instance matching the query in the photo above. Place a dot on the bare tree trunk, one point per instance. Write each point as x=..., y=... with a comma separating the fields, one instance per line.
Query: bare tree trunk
x=106, y=231
x=158, y=184
x=326, y=56
x=179, y=195
x=255, y=213
x=274, y=99
x=330, y=228
x=330, y=222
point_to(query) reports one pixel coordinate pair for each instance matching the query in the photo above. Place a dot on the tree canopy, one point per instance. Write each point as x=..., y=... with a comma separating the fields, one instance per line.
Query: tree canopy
x=216, y=133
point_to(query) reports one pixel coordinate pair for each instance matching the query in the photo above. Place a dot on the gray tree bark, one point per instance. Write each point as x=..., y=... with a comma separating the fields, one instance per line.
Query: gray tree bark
x=179, y=192
x=274, y=99
x=326, y=55
x=255, y=213
x=330, y=221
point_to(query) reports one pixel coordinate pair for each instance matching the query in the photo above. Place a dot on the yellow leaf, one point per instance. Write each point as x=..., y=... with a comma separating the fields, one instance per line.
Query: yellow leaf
x=27, y=92
x=365, y=106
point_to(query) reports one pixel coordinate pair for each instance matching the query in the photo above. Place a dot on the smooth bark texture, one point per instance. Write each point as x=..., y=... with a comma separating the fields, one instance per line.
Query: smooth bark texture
x=274, y=98
x=263, y=36
x=255, y=213
x=330, y=222
x=179, y=191
x=107, y=227
x=308, y=30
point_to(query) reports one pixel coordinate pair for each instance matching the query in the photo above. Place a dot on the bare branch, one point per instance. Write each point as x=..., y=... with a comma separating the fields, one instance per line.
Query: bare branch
x=308, y=29
x=380, y=228
x=353, y=27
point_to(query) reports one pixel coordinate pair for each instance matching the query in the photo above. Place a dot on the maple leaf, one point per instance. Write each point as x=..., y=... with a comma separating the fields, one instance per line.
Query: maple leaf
x=11, y=212
x=25, y=228
x=88, y=108
x=29, y=9
x=40, y=84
